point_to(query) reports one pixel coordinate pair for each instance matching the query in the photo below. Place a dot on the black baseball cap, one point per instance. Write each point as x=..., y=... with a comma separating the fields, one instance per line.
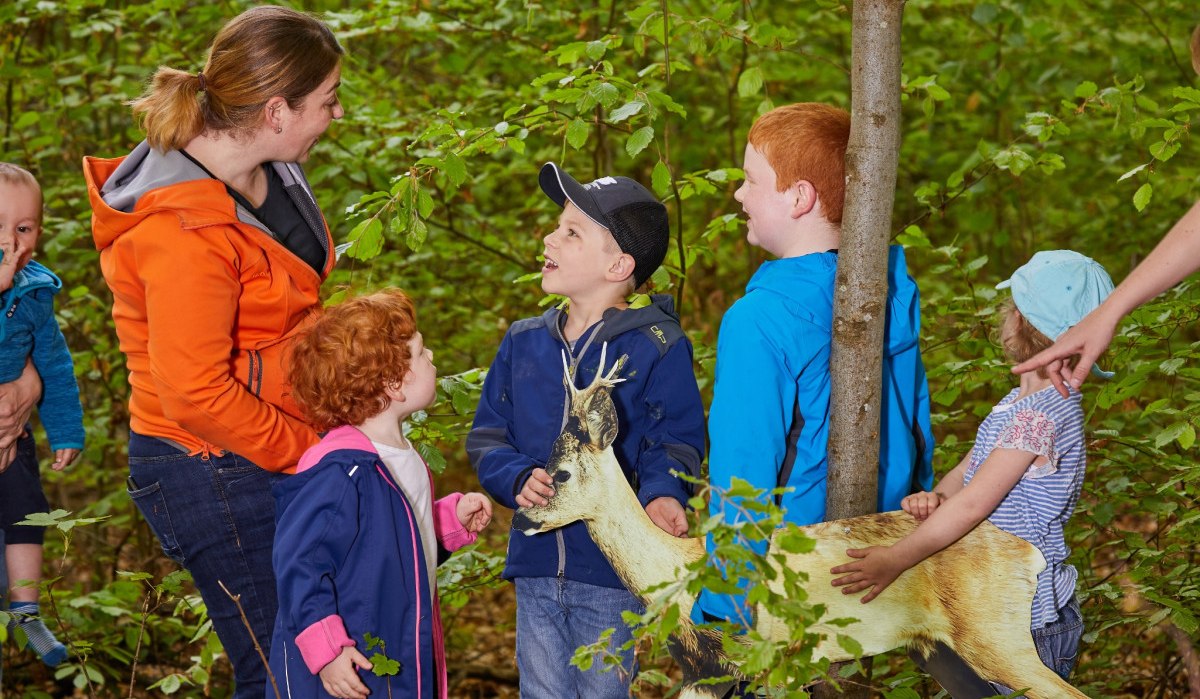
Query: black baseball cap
x=636, y=218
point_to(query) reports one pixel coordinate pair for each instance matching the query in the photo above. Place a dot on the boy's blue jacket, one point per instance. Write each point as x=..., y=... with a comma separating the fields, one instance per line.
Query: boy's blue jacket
x=348, y=561
x=28, y=329
x=769, y=420
x=523, y=407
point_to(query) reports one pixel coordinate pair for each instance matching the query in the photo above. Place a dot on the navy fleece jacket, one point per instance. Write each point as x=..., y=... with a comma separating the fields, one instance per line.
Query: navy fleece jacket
x=523, y=408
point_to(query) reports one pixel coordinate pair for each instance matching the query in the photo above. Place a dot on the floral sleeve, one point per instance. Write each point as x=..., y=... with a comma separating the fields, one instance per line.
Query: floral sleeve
x=1032, y=431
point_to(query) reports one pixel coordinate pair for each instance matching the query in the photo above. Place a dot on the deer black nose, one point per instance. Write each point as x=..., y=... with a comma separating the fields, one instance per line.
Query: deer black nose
x=524, y=524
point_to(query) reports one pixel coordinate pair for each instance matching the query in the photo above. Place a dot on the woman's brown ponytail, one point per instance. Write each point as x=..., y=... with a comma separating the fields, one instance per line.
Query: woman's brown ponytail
x=262, y=53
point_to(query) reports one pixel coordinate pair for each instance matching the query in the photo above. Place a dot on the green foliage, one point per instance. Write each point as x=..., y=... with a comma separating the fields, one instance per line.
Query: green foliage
x=59, y=519
x=381, y=664
x=781, y=667
x=1026, y=126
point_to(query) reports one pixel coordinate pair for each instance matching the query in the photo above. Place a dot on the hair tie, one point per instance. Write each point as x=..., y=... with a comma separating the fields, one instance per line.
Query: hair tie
x=203, y=85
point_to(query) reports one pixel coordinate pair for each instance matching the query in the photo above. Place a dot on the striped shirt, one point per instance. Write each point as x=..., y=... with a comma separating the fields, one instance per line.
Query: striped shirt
x=1039, y=505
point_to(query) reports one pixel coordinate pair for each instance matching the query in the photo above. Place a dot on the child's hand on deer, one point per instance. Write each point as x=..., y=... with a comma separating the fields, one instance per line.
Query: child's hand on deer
x=474, y=511
x=876, y=568
x=340, y=676
x=668, y=514
x=64, y=458
x=537, y=490
x=921, y=505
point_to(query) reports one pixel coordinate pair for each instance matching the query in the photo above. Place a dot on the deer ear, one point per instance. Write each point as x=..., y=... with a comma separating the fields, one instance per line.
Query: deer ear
x=601, y=419
x=605, y=431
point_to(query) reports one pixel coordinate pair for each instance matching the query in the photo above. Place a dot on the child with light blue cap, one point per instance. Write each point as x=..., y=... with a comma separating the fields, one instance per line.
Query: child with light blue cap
x=1056, y=289
x=1023, y=474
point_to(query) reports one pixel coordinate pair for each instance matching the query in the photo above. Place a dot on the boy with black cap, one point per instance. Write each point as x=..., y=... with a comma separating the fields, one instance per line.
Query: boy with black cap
x=610, y=238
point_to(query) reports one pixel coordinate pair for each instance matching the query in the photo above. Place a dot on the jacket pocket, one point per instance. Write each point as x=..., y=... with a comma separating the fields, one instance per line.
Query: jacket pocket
x=254, y=372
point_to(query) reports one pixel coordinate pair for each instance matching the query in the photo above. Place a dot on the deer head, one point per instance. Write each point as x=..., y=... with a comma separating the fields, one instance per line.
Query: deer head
x=581, y=452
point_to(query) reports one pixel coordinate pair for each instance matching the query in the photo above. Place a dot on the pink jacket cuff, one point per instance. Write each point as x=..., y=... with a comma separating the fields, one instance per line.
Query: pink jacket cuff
x=450, y=532
x=322, y=642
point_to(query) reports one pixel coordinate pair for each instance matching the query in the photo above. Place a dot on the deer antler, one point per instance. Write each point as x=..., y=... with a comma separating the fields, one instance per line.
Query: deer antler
x=607, y=380
x=567, y=378
x=602, y=380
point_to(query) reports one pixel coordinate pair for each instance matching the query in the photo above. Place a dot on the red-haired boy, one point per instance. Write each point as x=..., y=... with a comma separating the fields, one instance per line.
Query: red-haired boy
x=769, y=419
x=358, y=531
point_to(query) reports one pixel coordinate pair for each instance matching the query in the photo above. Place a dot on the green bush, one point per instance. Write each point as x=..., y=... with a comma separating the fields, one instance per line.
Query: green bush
x=1026, y=126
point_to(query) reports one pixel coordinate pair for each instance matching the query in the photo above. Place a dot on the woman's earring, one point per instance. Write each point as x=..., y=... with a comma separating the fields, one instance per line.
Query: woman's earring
x=278, y=129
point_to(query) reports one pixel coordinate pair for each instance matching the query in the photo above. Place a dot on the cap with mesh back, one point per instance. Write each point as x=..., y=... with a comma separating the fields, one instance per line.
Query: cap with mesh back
x=636, y=218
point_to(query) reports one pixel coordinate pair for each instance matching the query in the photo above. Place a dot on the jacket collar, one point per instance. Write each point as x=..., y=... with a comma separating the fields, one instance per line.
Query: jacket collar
x=344, y=437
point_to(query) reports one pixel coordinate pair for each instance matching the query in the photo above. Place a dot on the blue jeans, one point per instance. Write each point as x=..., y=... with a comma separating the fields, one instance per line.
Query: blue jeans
x=554, y=617
x=1057, y=645
x=215, y=516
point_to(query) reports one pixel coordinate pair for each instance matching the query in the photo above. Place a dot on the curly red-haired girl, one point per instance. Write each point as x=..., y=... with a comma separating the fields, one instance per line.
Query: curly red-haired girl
x=358, y=532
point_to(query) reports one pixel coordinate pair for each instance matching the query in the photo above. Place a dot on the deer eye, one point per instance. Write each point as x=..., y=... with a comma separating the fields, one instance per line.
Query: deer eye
x=561, y=476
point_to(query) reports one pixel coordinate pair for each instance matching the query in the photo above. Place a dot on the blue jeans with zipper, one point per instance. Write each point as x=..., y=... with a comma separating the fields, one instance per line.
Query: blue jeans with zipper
x=557, y=615
x=215, y=516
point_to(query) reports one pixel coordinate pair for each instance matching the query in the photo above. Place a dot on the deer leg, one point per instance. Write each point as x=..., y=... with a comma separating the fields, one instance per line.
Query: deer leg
x=699, y=654
x=712, y=691
x=1019, y=666
x=1043, y=683
x=952, y=673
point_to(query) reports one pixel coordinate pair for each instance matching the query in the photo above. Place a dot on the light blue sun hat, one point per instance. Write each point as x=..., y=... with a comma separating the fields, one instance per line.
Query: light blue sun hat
x=1056, y=289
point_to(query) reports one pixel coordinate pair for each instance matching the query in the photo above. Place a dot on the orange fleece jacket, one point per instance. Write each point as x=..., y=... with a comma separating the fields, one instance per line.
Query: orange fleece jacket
x=204, y=307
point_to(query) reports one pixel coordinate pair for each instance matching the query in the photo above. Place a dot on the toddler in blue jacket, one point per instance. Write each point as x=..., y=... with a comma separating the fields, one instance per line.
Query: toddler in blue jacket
x=612, y=235
x=29, y=332
x=358, y=532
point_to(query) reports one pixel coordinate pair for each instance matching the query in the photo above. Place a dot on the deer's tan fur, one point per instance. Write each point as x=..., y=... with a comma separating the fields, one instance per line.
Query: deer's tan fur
x=975, y=596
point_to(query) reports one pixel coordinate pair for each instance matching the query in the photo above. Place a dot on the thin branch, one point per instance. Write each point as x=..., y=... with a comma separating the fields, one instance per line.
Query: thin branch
x=137, y=648
x=450, y=228
x=1184, y=73
x=965, y=187
x=680, y=247
x=66, y=634
x=237, y=601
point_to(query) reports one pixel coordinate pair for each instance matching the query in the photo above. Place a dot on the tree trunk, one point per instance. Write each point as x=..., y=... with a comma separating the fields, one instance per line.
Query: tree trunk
x=860, y=297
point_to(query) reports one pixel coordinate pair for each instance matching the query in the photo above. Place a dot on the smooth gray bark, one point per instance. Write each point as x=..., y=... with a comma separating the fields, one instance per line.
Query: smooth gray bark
x=860, y=296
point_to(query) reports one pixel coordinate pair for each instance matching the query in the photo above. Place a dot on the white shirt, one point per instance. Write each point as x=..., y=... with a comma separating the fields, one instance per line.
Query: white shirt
x=409, y=472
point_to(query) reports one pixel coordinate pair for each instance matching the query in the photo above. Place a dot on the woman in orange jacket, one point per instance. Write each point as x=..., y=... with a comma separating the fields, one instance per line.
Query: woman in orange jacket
x=214, y=249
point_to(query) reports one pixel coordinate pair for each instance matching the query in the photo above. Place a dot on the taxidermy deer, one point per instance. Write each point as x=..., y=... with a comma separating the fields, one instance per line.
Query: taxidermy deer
x=975, y=596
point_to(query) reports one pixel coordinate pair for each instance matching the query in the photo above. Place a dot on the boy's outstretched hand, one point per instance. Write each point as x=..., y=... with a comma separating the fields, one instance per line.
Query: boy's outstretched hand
x=64, y=458
x=876, y=568
x=474, y=511
x=340, y=676
x=668, y=514
x=538, y=488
